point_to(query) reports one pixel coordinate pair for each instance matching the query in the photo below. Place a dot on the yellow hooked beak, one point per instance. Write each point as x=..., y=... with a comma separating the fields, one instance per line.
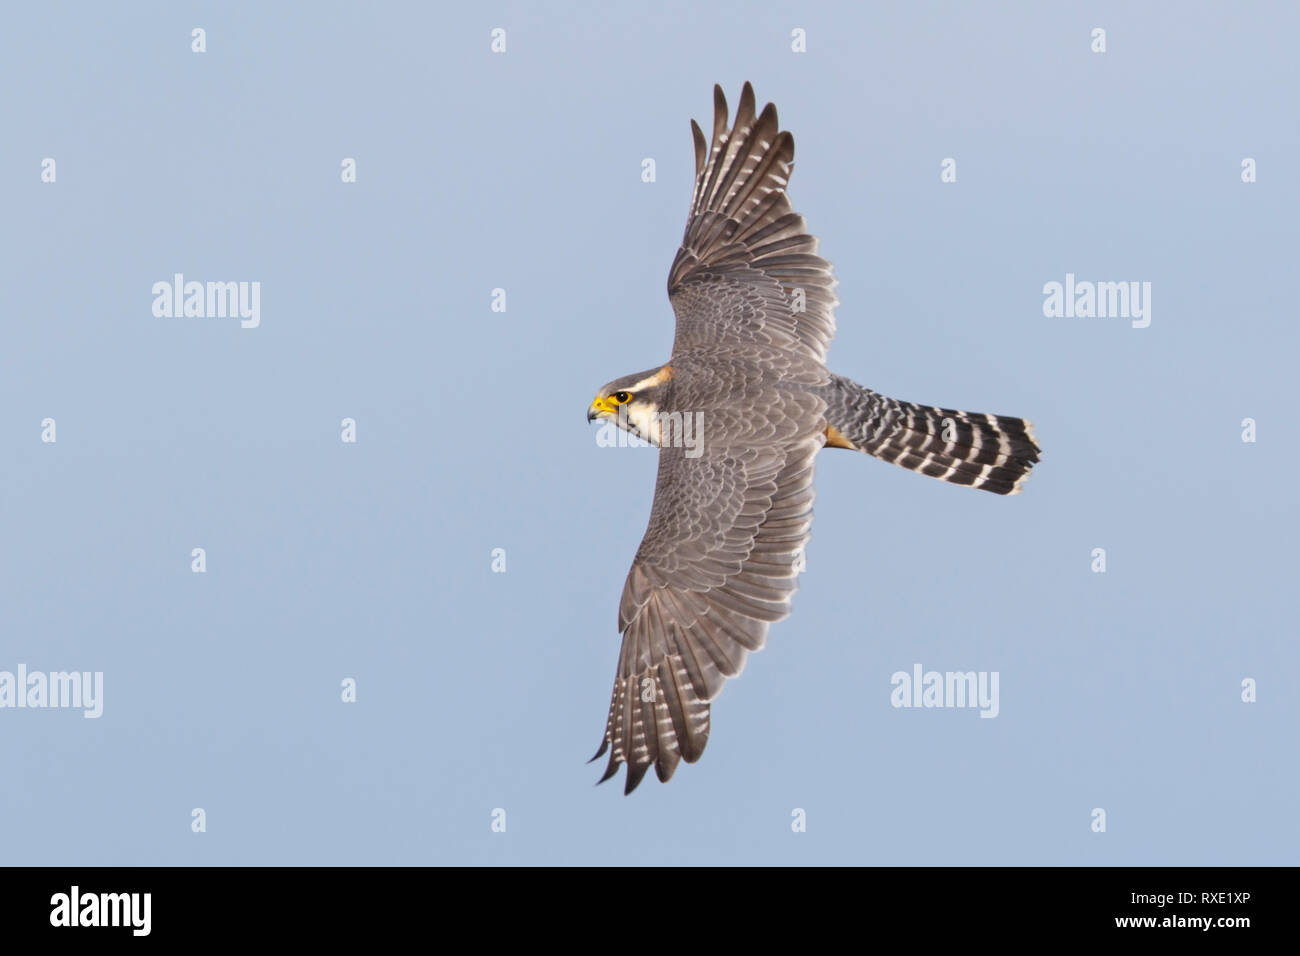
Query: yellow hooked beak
x=600, y=407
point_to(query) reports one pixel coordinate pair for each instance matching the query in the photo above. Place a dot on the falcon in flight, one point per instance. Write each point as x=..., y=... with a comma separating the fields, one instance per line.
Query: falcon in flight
x=732, y=508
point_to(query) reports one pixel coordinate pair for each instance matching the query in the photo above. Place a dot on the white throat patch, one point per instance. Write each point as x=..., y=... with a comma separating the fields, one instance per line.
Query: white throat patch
x=644, y=419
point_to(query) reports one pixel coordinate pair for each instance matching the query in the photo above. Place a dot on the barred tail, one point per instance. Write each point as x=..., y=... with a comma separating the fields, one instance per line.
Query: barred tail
x=990, y=452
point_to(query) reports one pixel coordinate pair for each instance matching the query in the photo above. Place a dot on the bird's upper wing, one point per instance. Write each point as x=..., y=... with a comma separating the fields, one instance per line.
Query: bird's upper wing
x=718, y=564
x=747, y=270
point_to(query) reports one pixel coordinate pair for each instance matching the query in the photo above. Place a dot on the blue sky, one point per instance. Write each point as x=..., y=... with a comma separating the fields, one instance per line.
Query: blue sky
x=521, y=171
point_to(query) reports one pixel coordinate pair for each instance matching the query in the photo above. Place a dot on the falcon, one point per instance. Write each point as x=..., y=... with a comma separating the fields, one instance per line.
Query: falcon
x=732, y=510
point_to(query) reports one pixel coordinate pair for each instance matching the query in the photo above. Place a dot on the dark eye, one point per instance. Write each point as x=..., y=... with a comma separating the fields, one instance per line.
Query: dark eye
x=622, y=397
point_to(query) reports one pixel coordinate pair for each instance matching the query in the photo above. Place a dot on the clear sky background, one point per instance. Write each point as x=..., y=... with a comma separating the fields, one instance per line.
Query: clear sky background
x=522, y=171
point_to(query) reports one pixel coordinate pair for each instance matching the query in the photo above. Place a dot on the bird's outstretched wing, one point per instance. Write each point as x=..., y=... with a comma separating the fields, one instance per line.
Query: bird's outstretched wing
x=718, y=564
x=747, y=270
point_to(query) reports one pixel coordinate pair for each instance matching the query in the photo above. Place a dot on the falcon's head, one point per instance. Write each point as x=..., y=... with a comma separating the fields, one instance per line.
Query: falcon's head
x=632, y=401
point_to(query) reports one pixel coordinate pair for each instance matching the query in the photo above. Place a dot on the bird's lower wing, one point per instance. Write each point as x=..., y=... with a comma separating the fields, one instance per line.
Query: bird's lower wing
x=719, y=563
